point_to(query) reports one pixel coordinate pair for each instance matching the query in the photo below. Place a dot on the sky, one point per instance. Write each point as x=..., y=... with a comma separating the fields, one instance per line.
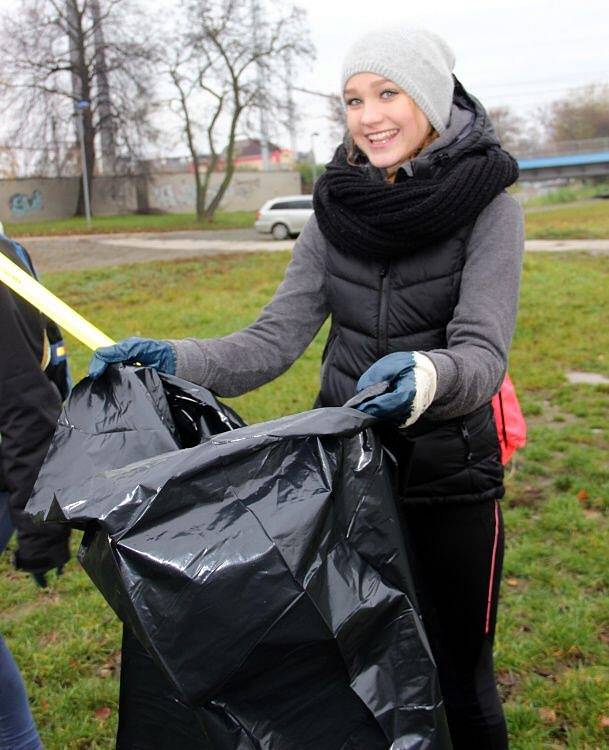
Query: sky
x=519, y=53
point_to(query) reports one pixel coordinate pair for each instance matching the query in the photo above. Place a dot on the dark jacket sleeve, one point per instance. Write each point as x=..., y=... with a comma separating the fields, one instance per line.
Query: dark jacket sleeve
x=29, y=407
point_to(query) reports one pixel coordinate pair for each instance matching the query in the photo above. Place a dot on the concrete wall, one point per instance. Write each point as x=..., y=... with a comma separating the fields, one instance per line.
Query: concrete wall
x=175, y=193
x=37, y=199
x=113, y=195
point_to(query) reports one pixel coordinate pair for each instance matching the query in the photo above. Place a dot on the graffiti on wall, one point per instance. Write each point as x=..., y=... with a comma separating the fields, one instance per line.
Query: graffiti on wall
x=56, y=198
x=20, y=204
x=171, y=196
x=111, y=191
x=242, y=188
x=180, y=195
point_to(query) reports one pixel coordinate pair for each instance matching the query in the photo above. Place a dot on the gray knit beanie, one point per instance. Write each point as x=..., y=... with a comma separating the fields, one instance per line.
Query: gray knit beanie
x=418, y=61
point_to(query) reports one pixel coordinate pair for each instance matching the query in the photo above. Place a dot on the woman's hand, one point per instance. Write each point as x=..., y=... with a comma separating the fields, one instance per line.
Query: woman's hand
x=147, y=352
x=413, y=378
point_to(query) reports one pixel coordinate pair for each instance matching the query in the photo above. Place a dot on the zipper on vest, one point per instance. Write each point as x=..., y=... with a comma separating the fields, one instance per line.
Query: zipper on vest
x=468, y=442
x=382, y=341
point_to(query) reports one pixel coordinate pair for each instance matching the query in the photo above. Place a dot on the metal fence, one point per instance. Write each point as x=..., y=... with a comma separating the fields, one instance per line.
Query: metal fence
x=562, y=148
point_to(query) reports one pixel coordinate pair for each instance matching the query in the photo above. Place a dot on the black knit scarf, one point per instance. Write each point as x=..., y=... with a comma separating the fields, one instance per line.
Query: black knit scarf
x=370, y=217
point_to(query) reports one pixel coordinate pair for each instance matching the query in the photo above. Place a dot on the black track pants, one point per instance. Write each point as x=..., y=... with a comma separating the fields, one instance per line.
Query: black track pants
x=456, y=555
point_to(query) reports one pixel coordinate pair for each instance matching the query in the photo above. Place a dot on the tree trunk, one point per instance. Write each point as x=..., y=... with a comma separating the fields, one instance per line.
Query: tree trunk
x=199, y=191
x=217, y=199
x=81, y=90
x=89, y=137
x=230, y=165
x=104, y=104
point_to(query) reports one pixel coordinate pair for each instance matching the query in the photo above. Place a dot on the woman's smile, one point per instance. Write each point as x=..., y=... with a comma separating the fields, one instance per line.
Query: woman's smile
x=382, y=139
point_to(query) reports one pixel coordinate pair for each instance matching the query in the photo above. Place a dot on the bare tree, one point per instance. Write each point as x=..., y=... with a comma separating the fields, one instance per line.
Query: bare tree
x=513, y=130
x=580, y=115
x=338, y=117
x=217, y=69
x=56, y=53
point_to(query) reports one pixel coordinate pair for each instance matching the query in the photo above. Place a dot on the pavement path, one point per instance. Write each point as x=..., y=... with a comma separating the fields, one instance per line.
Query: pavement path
x=75, y=252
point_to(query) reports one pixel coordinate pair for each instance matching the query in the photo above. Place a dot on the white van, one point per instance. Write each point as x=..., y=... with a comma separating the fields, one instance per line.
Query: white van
x=284, y=216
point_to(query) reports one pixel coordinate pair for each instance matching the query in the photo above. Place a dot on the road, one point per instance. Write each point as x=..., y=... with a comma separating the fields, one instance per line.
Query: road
x=88, y=251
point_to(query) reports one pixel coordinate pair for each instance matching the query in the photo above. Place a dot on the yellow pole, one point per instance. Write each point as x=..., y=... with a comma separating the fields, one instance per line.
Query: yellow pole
x=37, y=295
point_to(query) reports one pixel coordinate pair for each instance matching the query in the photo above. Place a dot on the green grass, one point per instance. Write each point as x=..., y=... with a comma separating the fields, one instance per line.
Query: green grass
x=553, y=637
x=130, y=223
x=585, y=220
x=570, y=193
x=552, y=645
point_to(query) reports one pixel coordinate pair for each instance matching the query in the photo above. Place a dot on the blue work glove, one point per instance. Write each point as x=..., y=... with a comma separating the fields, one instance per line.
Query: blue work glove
x=413, y=380
x=147, y=352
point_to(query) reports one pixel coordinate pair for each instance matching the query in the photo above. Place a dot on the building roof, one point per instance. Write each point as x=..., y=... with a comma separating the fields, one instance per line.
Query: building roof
x=251, y=147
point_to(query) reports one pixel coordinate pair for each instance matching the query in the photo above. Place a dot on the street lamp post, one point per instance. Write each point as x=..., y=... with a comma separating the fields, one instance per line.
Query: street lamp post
x=80, y=107
x=314, y=166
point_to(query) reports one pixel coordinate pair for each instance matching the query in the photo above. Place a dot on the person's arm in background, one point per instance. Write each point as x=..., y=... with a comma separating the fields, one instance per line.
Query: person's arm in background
x=29, y=407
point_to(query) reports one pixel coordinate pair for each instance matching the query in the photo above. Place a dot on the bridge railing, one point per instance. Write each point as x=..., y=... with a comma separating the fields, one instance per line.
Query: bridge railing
x=586, y=146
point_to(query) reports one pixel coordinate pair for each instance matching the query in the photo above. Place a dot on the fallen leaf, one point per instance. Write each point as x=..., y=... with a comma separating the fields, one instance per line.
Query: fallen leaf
x=507, y=679
x=582, y=496
x=50, y=637
x=103, y=713
x=575, y=652
x=111, y=666
x=592, y=513
x=547, y=715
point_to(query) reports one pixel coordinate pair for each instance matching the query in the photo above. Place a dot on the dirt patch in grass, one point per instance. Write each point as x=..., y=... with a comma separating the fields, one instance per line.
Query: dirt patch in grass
x=530, y=496
x=507, y=683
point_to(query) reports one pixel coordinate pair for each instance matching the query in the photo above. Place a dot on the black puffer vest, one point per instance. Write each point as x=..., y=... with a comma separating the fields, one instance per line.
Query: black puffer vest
x=405, y=304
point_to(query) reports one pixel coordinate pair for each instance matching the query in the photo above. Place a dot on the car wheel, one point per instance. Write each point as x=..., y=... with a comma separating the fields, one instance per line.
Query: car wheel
x=280, y=232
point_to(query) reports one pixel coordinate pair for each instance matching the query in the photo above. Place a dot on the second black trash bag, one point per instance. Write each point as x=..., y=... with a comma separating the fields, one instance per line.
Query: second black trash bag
x=261, y=568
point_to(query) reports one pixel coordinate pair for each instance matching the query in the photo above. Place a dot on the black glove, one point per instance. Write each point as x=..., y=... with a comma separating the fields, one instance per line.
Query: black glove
x=41, y=547
x=40, y=577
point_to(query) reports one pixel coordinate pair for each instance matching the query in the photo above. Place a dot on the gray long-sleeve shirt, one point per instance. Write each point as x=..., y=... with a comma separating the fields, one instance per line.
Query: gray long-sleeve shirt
x=471, y=367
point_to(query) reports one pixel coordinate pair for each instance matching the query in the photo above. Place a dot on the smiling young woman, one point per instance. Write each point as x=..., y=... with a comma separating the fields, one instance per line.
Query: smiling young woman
x=415, y=253
x=384, y=122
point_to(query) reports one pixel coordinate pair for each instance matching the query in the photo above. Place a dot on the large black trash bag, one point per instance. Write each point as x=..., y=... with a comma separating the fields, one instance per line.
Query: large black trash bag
x=262, y=569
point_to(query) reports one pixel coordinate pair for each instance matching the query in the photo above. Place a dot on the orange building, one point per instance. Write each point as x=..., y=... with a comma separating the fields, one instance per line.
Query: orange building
x=248, y=155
